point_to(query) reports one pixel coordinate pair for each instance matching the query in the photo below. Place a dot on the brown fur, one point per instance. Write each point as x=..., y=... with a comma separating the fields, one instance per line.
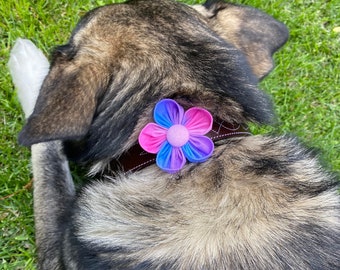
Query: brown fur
x=259, y=202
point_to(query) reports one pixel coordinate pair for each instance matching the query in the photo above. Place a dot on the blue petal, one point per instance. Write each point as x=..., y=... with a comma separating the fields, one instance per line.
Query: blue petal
x=168, y=113
x=198, y=148
x=170, y=159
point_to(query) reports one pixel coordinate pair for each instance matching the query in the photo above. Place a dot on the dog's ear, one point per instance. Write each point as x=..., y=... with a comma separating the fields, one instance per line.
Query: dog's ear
x=65, y=105
x=255, y=33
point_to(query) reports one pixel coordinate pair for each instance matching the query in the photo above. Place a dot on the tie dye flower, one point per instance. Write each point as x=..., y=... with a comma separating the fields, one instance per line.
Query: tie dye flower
x=177, y=136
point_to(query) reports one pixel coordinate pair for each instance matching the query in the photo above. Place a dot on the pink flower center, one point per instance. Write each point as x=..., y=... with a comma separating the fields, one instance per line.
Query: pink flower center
x=177, y=135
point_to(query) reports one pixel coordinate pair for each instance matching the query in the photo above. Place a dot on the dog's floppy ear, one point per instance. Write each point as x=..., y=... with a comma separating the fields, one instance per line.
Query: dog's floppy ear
x=65, y=105
x=255, y=33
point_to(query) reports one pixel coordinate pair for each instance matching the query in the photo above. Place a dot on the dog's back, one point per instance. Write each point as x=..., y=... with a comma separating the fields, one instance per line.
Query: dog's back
x=257, y=203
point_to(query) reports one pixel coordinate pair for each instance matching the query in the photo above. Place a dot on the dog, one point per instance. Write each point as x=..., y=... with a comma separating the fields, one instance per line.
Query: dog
x=253, y=202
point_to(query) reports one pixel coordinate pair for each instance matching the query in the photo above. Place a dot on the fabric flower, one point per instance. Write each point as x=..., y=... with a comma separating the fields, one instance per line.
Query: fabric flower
x=177, y=136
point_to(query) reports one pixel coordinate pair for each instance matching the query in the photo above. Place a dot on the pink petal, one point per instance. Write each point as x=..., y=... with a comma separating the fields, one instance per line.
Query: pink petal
x=152, y=137
x=198, y=121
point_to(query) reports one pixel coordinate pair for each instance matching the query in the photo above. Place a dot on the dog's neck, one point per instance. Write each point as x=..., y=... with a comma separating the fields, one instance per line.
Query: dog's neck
x=136, y=158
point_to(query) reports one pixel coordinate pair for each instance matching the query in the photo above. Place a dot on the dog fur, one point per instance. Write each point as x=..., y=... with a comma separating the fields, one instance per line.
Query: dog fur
x=260, y=202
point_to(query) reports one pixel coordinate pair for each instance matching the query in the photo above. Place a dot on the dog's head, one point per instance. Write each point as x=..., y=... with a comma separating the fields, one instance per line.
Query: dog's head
x=122, y=59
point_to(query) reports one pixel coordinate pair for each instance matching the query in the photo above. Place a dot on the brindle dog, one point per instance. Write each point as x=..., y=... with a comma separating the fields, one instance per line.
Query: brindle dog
x=260, y=202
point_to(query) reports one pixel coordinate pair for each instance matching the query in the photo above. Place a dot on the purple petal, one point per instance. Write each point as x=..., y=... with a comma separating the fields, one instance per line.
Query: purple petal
x=198, y=149
x=170, y=159
x=152, y=137
x=198, y=121
x=167, y=113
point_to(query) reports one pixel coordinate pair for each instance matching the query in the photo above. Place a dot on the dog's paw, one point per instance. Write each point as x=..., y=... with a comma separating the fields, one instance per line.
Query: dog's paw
x=28, y=67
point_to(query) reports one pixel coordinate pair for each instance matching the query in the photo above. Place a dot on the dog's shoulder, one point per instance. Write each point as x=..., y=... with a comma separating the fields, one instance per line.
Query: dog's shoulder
x=253, y=190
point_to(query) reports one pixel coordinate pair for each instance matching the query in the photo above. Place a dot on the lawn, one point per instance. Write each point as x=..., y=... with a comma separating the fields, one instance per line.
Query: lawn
x=304, y=85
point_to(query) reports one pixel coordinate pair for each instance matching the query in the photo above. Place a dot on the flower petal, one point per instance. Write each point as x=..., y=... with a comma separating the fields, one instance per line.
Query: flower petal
x=198, y=121
x=167, y=113
x=198, y=148
x=170, y=159
x=152, y=137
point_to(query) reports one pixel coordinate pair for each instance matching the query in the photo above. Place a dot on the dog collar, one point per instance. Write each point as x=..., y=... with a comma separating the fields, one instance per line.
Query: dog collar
x=136, y=158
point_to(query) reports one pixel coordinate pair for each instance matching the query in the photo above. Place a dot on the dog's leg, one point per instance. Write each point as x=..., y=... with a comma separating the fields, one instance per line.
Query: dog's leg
x=53, y=185
x=53, y=196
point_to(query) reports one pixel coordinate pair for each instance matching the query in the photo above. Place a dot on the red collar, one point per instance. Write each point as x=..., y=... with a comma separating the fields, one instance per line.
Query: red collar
x=136, y=158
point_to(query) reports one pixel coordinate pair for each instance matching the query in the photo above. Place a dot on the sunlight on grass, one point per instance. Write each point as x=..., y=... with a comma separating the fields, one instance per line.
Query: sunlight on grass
x=304, y=86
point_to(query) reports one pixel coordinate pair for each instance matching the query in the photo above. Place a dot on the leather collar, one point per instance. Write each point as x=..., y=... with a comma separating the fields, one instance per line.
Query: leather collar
x=136, y=158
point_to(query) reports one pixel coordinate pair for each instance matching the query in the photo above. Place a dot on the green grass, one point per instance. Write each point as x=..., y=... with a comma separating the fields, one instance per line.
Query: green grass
x=304, y=85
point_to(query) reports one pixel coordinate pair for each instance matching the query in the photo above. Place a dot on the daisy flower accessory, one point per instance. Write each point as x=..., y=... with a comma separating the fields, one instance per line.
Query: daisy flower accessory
x=177, y=135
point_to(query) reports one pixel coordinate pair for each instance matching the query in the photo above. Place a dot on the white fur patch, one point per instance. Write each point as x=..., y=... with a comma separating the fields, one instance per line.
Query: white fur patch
x=201, y=9
x=28, y=67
